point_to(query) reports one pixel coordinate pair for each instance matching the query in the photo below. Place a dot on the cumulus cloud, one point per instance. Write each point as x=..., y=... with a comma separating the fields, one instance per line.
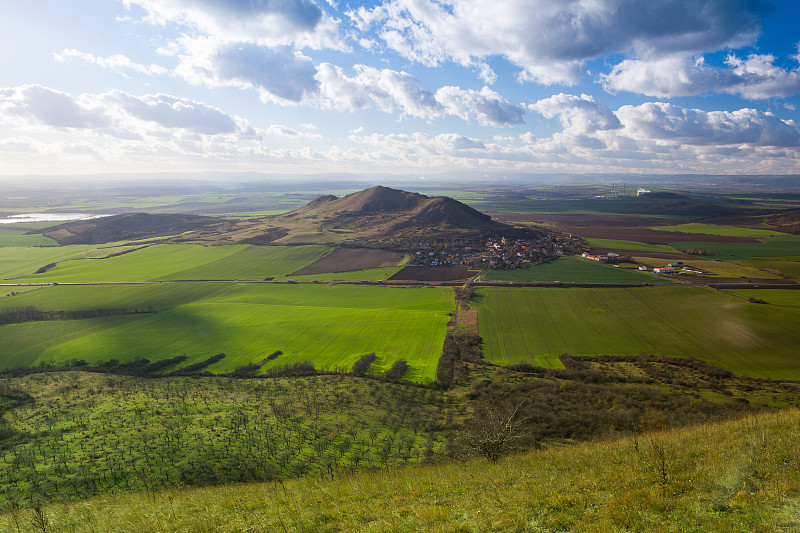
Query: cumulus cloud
x=754, y=77
x=550, y=41
x=265, y=22
x=579, y=115
x=279, y=75
x=117, y=63
x=663, y=121
x=51, y=108
x=389, y=90
x=117, y=114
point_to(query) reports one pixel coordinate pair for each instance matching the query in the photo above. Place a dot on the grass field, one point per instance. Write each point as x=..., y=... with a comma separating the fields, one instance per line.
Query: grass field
x=787, y=266
x=635, y=246
x=353, y=275
x=777, y=246
x=186, y=261
x=712, y=229
x=574, y=269
x=10, y=237
x=771, y=296
x=330, y=326
x=16, y=261
x=538, y=325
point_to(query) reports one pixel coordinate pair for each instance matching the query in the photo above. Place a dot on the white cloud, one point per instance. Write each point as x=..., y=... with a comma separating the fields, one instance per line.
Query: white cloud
x=389, y=90
x=40, y=105
x=487, y=106
x=755, y=77
x=117, y=114
x=666, y=122
x=578, y=115
x=551, y=40
x=273, y=23
x=284, y=131
x=117, y=63
x=279, y=75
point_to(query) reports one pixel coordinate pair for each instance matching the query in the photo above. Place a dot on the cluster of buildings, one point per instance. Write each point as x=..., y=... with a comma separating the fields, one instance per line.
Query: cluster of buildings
x=610, y=257
x=503, y=253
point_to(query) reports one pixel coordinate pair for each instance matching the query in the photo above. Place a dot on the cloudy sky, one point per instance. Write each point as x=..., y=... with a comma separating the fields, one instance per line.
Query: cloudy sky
x=401, y=86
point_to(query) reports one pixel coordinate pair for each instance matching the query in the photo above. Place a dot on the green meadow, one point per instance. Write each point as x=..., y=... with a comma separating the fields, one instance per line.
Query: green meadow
x=777, y=246
x=771, y=296
x=635, y=246
x=538, y=325
x=11, y=237
x=574, y=269
x=381, y=273
x=713, y=229
x=332, y=326
x=185, y=261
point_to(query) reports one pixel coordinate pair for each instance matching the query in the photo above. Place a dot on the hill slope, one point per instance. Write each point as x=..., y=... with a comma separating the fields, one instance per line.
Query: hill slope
x=129, y=226
x=378, y=212
x=735, y=476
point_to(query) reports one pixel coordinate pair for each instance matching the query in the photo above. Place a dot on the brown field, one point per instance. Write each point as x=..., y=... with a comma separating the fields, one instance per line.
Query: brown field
x=434, y=273
x=623, y=227
x=348, y=259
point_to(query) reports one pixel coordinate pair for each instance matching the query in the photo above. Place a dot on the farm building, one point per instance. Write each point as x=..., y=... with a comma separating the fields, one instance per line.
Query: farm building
x=643, y=268
x=676, y=264
x=664, y=270
x=606, y=258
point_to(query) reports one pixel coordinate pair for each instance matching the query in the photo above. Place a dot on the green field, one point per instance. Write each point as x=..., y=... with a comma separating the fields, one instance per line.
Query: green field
x=382, y=273
x=720, y=268
x=787, y=266
x=778, y=246
x=713, y=229
x=636, y=246
x=538, y=325
x=16, y=261
x=186, y=261
x=574, y=269
x=771, y=296
x=330, y=326
x=10, y=237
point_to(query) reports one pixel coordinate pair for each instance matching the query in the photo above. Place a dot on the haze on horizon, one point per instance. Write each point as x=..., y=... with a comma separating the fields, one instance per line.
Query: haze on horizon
x=407, y=87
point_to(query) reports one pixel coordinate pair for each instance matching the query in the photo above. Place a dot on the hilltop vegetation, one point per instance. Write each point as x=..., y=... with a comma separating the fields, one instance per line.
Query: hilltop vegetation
x=735, y=476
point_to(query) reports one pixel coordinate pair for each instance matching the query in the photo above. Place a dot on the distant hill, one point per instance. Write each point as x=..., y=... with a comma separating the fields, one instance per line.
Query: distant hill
x=129, y=226
x=374, y=213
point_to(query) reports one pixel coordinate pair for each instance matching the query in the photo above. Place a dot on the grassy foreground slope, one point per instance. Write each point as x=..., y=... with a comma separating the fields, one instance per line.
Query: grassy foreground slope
x=538, y=325
x=330, y=326
x=734, y=476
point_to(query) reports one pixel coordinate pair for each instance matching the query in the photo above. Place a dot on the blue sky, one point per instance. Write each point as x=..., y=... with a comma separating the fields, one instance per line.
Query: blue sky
x=409, y=87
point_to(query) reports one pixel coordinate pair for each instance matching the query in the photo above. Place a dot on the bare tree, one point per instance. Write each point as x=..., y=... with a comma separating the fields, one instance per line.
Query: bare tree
x=494, y=431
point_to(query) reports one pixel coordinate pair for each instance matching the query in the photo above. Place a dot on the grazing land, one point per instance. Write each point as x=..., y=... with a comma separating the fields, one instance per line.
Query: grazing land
x=538, y=325
x=771, y=296
x=434, y=273
x=17, y=238
x=574, y=269
x=330, y=326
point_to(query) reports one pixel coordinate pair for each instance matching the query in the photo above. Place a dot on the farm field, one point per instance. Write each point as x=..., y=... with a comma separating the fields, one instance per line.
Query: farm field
x=185, y=261
x=771, y=296
x=538, y=325
x=11, y=237
x=787, y=266
x=353, y=275
x=635, y=246
x=712, y=229
x=352, y=259
x=330, y=326
x=574, y=269
x=779, y=246
x=16, y=262
x=724, y=269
